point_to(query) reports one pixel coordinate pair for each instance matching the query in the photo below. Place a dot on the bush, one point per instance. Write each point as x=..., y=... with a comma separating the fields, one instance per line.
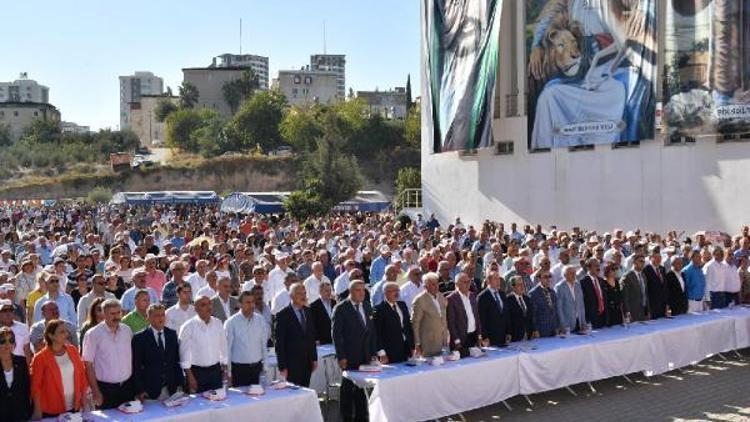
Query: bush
x=99, y=195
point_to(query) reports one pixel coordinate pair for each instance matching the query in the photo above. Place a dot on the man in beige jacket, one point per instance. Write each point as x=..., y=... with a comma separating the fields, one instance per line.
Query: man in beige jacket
x=429, y=318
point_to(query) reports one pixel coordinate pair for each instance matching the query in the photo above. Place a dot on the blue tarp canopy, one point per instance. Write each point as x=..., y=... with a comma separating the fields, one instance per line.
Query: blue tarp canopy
x=272, y=202
x=166, y=197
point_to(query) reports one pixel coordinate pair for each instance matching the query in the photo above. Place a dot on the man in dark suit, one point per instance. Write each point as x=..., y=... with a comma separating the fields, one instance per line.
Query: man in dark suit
x=355, y=340
x=393, y=326
x=296, y=351
x=676, y=293
x=322, y=311
x=521, y=320
x=494, y=315
x=594, y=299
x=544, y=306
x=464, y=326
x=656, y=284
x=156, y=358
x=634, y=295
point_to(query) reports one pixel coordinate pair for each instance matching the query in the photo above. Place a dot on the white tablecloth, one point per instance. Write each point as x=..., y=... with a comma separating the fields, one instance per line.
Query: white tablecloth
x=406, y=393
x=278, y=406
x=328, y=371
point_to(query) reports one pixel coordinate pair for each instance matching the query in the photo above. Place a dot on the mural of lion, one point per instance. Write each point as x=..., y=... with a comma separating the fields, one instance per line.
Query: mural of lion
x=561, y=54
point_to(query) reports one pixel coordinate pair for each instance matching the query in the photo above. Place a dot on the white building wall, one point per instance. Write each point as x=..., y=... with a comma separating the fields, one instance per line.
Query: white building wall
x=701, y=186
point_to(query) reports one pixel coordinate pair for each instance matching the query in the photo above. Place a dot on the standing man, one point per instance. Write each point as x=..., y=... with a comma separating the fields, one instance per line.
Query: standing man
x=97, y=290
x=464, y=324
x=494, y=313
x=695, y=283
x=634, y=295
x=156, y=358
x=137, y=319
x=20, y=330
x=355, y=340
x=296, y=352
x=412, y=287
x=676, y=287
x=656, y=285
x=322, y=312
x=139, y=283
x=223, y=305
x=203, y=349
x=570, y=310
x=715, y=271
x=247, y=334
x=197, y=280
x=108, y=356
x=183, y=310
x=429, y=318
x=313, y=282
x=521, y=321
x=393, y=327
x=594, y=299
x=64, y=302
x=169, y=294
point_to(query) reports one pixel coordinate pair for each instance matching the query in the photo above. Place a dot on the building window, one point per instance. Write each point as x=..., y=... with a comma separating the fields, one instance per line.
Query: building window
x=15, y=114
x=308, y=80
x=36, y=114
x=294, y=91
x=297, y=80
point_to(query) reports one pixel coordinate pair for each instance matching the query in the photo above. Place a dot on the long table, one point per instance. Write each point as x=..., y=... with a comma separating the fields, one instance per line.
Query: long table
x=275, y=405
x=406, y=393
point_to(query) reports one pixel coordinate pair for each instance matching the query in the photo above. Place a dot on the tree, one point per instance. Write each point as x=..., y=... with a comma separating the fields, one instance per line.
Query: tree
x=99, y=195
x=42, y=132
x=5, y=138
x=306, y=203
x=163, y=108
x=257, y=121
x=232, y=94
x=181, y=125
x=413, y=128
x=300, y=128
x=407, y=178
x=241, y=89
x=188, y=95
x=210, y=138
x=409, y=102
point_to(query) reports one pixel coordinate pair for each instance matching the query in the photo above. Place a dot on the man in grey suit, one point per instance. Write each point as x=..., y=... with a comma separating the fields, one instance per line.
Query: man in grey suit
x=571, y=311
x=223, y=305
x=634, y=294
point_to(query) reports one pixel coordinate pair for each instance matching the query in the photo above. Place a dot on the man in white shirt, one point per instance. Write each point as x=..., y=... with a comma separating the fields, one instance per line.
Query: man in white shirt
x=341, y=284
x=716, y=273
x=182, y=310
x=20, y=330
x=211, y=285
x=412, y=287
x=197, y=280
x=312, y=283
x=282, y=299
x=97, y=290
x=259, y=279
x=277, y=275
x=247, y=334
x=203, y=349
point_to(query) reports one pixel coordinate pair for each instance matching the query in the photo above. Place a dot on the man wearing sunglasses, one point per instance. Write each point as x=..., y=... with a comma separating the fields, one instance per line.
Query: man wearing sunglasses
x=98, y=289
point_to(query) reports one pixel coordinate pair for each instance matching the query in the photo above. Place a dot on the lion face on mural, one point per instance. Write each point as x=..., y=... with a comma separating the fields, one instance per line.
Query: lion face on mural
x=561, y=52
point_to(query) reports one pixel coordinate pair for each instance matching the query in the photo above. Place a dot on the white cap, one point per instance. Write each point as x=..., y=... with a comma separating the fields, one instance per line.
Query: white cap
x=384, y=249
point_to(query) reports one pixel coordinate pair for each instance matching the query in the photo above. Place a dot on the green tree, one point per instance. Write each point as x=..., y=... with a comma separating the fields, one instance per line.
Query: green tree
x=409, y=102
x=300, y=128
x=210, y=139
x=189, y=95
x=181, y=125
x=5, y=138
x=163, y=108
x=99, y=195
x=241, y=89
x=257, y=121
x=407, y=178
x=306, y=203
x=413, y=128
x=42, y=132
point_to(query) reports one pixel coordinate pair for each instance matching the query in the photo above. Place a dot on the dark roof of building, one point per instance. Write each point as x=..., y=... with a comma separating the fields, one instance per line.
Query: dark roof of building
x=217, y=68
x=27, y=104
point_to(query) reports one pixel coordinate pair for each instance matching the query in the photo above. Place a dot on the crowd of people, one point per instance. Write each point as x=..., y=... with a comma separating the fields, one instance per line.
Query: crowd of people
x=103, y=305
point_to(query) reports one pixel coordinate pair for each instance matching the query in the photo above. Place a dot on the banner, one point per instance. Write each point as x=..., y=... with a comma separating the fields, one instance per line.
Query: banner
x=707, y=68
x=591, y=71
x=460, y=53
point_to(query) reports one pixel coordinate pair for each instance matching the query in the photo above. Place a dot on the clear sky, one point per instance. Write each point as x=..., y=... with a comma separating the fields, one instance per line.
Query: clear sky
x=79, y=48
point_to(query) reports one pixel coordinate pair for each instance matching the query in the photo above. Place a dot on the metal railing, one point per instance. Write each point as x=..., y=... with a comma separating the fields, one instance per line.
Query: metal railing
x=408, y=198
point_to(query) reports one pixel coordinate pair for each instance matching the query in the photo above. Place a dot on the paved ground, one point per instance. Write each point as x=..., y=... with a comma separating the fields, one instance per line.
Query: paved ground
x=714, y=390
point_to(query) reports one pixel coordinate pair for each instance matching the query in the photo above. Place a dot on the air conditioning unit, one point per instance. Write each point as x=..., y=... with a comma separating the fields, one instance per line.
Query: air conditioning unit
x=503, y=148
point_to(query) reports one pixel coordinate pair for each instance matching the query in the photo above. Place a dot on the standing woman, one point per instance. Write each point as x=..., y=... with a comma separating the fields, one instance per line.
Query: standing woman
x=58, y=377
x=95, y=316
x=613, y=296
x=36, y=294
x=14, y=384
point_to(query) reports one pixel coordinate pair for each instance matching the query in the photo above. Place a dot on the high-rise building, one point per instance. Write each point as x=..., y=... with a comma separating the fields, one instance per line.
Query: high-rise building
x=132, y=87
x=23, y=90
x=307, y=87
x=259, y=65
x=335, y=63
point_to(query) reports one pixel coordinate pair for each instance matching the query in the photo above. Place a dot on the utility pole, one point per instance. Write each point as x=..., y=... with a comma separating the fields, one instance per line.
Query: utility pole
x=240, y=36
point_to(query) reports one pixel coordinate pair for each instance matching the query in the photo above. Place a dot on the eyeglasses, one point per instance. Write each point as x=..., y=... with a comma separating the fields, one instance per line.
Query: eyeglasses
x=7, y=340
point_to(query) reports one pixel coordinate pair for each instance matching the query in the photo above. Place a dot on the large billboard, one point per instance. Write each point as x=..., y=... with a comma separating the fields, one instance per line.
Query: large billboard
x=707, y=68
x=459, y=65
x=591, y=71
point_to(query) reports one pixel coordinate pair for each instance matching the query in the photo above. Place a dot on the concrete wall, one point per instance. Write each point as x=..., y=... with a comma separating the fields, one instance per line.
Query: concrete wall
x=209, y=82
x=19, y=116
x=307, y=87
x=652, y=186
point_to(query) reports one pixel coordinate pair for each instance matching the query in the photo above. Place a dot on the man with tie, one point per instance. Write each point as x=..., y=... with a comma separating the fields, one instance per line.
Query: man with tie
x=296, y=351
x=393, y=326
x=634, y=294
x=464, y=325
x=494, y=314
x=544, y=306
x=355, y=340
x=156, y=358
x=656, y=284
x=322, y=311
x=521, y=322
x=594, y=299
x=676, y=292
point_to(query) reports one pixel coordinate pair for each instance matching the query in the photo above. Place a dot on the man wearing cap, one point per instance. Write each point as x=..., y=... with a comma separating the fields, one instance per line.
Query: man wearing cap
x=64, y=301
x=377, y=268
x=139, y=283
x=98, y=289
x=20, y=330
